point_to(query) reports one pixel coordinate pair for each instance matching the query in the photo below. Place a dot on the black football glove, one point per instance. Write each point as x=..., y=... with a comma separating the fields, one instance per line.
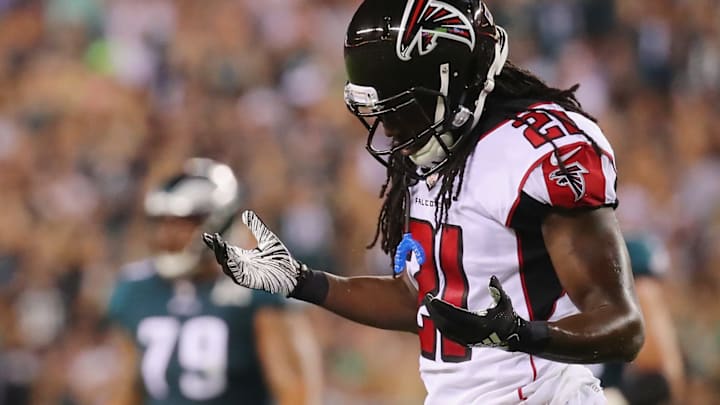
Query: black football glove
x=498, y=326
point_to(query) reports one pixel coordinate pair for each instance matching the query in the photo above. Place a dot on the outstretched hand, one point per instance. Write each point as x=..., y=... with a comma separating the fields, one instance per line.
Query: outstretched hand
x=269, y=266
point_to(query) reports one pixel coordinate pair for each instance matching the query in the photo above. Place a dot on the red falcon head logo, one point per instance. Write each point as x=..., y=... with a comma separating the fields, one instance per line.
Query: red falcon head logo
x=426, y=20
x=573, y=177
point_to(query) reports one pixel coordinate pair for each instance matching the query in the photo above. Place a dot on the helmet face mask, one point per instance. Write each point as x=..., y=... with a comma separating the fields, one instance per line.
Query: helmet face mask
x=421, y=70
x=402, y=117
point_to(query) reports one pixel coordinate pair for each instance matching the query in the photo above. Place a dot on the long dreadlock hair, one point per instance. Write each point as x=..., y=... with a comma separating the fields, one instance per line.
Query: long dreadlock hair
x=513, y=84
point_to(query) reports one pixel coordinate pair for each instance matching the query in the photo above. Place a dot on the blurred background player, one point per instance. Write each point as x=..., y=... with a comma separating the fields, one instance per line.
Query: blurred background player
x=656, y=376
x=196, y=338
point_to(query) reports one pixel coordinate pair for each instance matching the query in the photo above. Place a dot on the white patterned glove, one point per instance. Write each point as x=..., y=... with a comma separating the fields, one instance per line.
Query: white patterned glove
x=269, y=266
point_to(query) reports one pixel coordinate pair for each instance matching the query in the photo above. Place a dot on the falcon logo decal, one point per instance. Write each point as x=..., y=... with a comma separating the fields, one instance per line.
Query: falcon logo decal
x=426, y=20
x=573, y=178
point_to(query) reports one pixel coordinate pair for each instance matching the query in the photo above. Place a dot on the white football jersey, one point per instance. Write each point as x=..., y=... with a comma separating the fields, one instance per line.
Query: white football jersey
x=511, y=180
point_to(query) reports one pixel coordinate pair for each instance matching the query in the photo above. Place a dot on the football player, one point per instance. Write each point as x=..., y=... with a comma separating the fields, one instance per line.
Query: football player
x=498, y=212
x=195, y=337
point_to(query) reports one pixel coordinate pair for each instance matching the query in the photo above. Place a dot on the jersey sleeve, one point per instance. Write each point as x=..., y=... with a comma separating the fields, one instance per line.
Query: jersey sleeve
x=588, y=179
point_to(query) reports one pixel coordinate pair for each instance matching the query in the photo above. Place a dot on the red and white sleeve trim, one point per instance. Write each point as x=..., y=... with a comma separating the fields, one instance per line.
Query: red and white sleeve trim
x=587, y=182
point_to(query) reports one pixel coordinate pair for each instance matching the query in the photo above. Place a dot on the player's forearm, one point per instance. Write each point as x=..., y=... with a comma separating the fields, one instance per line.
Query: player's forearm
x=601, y=335
x=381, y=302
x=591, y=261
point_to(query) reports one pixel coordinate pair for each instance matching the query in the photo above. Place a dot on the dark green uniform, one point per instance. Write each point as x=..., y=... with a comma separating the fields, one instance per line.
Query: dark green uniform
x=196, y=340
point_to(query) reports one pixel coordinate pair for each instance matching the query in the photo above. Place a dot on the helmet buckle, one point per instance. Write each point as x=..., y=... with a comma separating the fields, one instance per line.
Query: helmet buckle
x=461, y=117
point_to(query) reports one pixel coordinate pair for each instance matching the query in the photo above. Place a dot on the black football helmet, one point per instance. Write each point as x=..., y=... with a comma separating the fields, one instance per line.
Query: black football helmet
x=420, y=70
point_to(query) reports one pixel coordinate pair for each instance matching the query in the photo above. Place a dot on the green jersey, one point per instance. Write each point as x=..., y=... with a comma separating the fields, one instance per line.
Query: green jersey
x=196, y=340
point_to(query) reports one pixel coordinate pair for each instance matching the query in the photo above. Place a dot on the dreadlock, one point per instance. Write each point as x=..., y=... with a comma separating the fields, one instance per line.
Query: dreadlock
x=515, y=89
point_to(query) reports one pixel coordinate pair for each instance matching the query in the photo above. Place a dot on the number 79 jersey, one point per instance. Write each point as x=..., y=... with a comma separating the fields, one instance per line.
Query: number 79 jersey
x=195, y=341
x=511, y=181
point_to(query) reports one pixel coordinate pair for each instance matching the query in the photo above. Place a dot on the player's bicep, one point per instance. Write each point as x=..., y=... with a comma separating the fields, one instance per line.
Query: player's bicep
x=590, y=258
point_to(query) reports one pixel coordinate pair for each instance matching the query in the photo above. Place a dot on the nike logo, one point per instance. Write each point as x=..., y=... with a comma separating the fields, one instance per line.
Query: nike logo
x=565, y=157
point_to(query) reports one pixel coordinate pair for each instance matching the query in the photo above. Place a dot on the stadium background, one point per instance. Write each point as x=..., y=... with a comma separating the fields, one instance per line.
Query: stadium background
x=100, y=98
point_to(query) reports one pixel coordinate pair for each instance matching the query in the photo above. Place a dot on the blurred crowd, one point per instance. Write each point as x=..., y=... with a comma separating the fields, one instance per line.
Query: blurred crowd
x=101, y=98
